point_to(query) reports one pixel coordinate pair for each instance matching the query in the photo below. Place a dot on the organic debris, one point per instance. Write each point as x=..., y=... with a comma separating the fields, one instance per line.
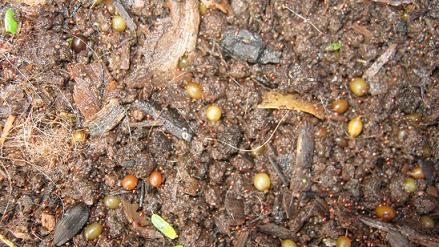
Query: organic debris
x=6, y=129
x=167, y=118
x=376, y=84
x=70, y=224
x=275, y=100
x=107, y=118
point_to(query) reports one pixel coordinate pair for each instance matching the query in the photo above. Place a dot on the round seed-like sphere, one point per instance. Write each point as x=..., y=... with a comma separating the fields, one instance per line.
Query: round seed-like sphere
x=385, y=213
x=203, y=8
x=213, y=113
x=194, y=90
x=427, y=222
x=343, y=241
x=79, y=136
x=155, y=179
x=261, y=181
x=410, y=185
x=129, y=182
x=118, y=23
x=112, y=202
x=79, y=43
x=183, y=62
x=288, y=243
x=358, y=86
x=355, y=127
x=340, y=105
x=93, y=231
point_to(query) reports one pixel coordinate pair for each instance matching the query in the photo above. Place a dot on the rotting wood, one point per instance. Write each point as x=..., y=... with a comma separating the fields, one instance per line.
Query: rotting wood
x=170, y=123
x=122, y=12
x=377, y=85
x=406, y=231
x=107, y=118
x=275, y=230
x=276, y=100
x=301, y=171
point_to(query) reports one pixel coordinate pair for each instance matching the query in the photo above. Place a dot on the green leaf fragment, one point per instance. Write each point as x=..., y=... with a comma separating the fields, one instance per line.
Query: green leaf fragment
x=10, y=23
x=178, y=245
x=335, y=46
x=163, y=226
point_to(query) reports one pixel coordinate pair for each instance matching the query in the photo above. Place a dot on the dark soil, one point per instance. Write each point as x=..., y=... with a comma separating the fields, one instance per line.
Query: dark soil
x=323, y=183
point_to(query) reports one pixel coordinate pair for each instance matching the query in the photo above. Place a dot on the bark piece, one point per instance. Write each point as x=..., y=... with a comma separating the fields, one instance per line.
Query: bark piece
x=70, y=224
x=107, y=118
x=169, y=120
x=234, y=207
x=275, y=230
x=301, y=172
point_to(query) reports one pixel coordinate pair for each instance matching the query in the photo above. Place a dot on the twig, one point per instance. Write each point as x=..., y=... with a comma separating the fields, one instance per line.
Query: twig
x=8, y=126
x=303, y=18
x=278, y=171
x=7, y=241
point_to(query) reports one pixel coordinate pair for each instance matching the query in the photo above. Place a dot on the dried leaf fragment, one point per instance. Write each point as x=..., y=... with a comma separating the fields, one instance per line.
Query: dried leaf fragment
x=275, y=100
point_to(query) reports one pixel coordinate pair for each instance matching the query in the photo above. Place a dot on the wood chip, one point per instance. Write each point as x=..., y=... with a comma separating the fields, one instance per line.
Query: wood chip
x=288, y=204
x=70, y=224
x=107, y=118
x=92, y=84
x=242, y=239
x=376, y=84
x=278, y=171
x=221, y=5
x=170, y=120
x=7, y=128
x=234, y=207
x=275, y=100
x=275, y=230
x=301, y=171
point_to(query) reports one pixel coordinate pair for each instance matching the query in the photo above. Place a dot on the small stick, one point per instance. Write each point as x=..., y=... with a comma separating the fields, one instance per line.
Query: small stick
x=303, y=18
x=8, y=126
x=278, y=171
x=7, y=241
